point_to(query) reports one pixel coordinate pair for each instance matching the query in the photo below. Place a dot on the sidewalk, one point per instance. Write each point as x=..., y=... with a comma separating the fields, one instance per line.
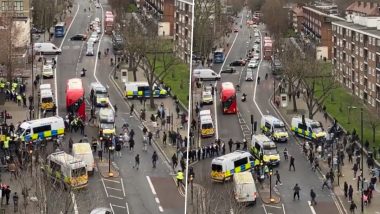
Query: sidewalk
x=169, y=105
x=346, y=170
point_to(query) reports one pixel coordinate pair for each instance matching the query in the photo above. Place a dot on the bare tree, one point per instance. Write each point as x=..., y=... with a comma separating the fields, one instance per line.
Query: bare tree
x=255, y=5
x=374, y=122
x=293, y=70
x=276, y=18
x=317, y=84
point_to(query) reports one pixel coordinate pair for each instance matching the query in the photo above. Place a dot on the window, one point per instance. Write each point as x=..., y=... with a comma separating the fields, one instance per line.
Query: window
x=41, y=129
x=302, y=126
x=240, y=162
x=216, y=167
x=18, y=5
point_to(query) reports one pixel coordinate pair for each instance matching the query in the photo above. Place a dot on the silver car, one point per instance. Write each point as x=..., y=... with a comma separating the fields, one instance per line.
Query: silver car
x=90, y=49
x=249, y=75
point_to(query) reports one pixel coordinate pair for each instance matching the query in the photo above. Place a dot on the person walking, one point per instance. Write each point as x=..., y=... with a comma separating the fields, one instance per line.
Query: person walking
x=131, y=144
x=345, y=188
x=325, y=182
x=353, y=207
x=313, y=196
x=291, y=164
x=296, y=190
x=230, y=143
x=174, y=161
x=100, y=153
x=278, y=178
x=164, y=137
x=350, y=193
x=355, y=169
x=131, y=110
x=137, y=162
x=154, y=159
x=118, y=148
x=7, y=192
x=15, y=202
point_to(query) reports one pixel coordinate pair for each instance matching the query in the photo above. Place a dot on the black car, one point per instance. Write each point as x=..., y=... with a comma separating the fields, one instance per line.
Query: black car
x=229, y=70
x=35, y=30
x=238, y=63
x=79, y=37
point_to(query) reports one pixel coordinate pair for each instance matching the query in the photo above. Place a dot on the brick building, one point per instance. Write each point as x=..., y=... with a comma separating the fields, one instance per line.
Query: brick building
x=183, y=26
x=163, y=11
x=317, y=26
x=297, y=18
x=356, y=52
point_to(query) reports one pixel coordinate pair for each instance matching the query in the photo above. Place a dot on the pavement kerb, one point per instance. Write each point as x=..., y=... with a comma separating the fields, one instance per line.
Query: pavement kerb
x=299, y=142
x=136, y=113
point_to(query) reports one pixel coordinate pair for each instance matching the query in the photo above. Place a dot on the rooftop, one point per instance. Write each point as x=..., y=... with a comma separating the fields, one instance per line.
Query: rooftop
x=366, y=30
x=368, y=8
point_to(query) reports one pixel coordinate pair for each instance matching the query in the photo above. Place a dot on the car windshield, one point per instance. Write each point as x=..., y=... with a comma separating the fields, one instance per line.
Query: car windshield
x=279, y=128
x=47, y=100
x=268, y=151
x=20, y=131
x=316, y=127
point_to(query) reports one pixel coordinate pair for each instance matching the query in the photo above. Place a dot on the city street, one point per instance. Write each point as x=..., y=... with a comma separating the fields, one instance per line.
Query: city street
x=238, y=126
x=147, y=190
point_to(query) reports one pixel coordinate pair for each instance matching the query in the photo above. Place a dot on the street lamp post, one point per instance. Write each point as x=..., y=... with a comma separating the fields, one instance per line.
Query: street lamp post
x=274, y=90
x=192, y=188
x=270, y=186
x=110, y=148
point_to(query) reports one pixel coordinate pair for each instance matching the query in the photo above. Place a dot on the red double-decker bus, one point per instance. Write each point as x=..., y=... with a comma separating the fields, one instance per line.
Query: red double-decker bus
x=228, y=98
x=75, y=102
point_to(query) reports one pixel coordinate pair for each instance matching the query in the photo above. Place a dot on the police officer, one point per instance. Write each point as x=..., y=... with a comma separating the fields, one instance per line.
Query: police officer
x=179, y=177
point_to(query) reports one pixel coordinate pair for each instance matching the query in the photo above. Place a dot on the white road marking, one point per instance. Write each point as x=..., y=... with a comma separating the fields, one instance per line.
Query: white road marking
x=161, y=209
x=74, y=203
x=311, y=207
x=114, y=188
x=151, y=185
x=122, y=186
x=272, y=206
x=157, y=200
x=105, y=189
x=112, y=208
x=114, y=205
x=265, y=210
x=126, y=205
x=112, y=196
x=111, y=180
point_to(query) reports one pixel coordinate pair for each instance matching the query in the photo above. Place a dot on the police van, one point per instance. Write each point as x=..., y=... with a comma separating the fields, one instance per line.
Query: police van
x=70, y=170
x=224, y=167
x=275, y=128
x=142, y=89
x=261, y=145
x=47, y=100
x=307, y=128
x=107, y=122
x=206, y=123
x=44, y=128
x=101, y=94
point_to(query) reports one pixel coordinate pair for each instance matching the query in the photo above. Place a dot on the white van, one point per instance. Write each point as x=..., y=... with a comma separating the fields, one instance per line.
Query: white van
x=101, y=94
x=45, y=86
x=311, y=129
x=44, y=128
x=245, y=188
x=224, y=167
x=261, y=145
x=205, y=74
x=46, y=48
x=207, y=126
x=273, y=127
x=83, y=152
x=48, y=71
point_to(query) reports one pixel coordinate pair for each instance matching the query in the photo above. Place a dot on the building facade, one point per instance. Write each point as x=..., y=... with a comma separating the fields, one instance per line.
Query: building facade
x=317, y=26
x=182, y=29
x=356, y=57
x=163, y=11
x=297, y=18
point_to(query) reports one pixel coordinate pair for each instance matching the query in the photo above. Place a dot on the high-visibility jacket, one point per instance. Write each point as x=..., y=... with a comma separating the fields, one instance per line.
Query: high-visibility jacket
x=179, y=176
x=266, y=169
x=2, y=85
x=14, y=86
x=57, y=175
x=6, y=143
x=19, y=98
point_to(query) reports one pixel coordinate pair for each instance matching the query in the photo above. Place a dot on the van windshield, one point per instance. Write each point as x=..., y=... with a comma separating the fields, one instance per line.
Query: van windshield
x=268, y=151
x=216, y=167
x=316, y=127
x=47, y=99
x=207, y=126
x=78, y=172
x=106, y=125
x=20, y=131
x=279, y=128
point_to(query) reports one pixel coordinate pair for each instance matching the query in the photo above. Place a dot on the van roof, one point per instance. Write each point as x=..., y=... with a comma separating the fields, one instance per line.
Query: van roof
x=307, y=120
x=243, y=178
x=82, y=148
x=260, y=138
x=66, y=159
x=205, y=112
x=45, y=86
x=202, y=69
x=206, y=119
x=272, y=118
x=46, y=93
x=232, y=156
x=137, y=83
x=97, y=86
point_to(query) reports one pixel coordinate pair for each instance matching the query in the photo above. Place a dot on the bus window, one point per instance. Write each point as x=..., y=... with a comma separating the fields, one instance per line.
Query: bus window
x=240, y=162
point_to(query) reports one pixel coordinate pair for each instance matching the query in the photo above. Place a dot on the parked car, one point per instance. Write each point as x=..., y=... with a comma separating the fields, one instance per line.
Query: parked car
x=90, y=49
x=229, y=70
x=78, y=37
x=249, y=75
x=37, y=30
x=252, y=64
x=238, y=63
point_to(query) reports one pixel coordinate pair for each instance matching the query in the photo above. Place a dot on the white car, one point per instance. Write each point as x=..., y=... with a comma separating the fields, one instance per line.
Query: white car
x=249, y=75
x=97, y=5
x=252, y=64
x=90, y=49
x=94, y=36
x=256, y=56
x=47, y=71
x=97, y=20
x=98, y=30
